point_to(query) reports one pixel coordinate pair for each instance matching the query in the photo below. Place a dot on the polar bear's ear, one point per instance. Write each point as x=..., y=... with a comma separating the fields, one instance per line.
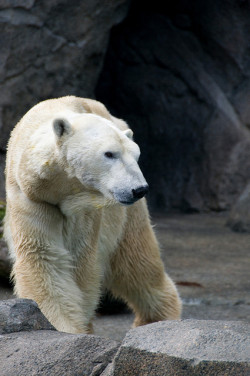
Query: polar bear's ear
x=128, y=133
x=61, y=127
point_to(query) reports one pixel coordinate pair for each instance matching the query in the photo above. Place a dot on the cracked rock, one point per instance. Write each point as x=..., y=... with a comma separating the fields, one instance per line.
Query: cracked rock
x=29, y=345
x=54, y=353
x=184, y=348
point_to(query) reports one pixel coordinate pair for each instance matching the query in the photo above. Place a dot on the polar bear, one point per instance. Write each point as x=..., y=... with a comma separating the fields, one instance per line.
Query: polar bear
x=76, y=221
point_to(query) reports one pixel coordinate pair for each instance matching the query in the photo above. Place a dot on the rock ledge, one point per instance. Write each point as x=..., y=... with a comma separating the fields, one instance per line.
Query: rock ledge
x=30, y=345
x=187, y=347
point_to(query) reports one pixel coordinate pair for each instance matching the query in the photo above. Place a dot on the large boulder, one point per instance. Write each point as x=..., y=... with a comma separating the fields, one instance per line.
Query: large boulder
x=184, y=348
x=179, y=74
x=30, y=345
x=17, y=315
x=54, y=353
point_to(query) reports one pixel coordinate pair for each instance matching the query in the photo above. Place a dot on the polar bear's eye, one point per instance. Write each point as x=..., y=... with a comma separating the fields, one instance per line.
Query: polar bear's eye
x=109, y=154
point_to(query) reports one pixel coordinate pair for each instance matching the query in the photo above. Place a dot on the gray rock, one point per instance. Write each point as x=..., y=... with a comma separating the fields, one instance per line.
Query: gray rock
x=18, y=315
x=109, y=370
x=28, y=346
x=49, y=49
x=189, y=347
x=178, y=75
x=26, y=4
x=54, y=353
x=239, y=217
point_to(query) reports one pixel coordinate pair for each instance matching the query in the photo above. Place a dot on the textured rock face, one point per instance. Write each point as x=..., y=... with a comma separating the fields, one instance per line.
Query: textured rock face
x=178, y=73
x=239, y=218
x=29, y=345
x=187, y=347
x=48, y=49
x=18, y=315
x=180, y=76
x=51, y=353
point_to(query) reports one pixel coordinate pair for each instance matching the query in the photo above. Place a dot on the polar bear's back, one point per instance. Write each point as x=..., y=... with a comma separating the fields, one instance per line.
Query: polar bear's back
x=48, y=109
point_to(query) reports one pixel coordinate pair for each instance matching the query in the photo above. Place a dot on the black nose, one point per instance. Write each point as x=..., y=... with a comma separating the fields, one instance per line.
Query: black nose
x=140, y=192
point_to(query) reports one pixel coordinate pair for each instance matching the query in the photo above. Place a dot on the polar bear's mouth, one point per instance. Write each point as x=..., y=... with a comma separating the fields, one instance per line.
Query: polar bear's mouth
x=127, y=203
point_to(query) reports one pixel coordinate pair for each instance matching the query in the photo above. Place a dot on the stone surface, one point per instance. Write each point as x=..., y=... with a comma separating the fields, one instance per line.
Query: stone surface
x=208, y=261
x=54, y=353
x=113, y=326
x=239, y=218
x=186, y=347
x=30, y=345
x=49, y=49
x=179, y=74
x=18, y=315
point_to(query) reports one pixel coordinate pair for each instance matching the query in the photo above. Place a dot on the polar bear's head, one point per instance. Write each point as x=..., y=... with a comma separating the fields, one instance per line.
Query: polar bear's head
x=101, y=156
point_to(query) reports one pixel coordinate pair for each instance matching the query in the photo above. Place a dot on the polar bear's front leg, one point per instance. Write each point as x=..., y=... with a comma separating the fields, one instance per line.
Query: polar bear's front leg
x=55, y=292
x=138, y=274
x=43, y=269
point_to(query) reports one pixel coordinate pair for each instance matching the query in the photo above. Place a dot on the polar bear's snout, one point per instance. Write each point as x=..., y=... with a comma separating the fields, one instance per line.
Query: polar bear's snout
x=140, y=192
x=130, y=196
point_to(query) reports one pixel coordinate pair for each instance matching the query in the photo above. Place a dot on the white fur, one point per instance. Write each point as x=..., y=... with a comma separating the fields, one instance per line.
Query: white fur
x=70, y=166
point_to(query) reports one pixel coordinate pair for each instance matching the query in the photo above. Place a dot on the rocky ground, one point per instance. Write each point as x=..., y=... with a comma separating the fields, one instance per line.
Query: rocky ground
x=209, y=263
x=29, y=345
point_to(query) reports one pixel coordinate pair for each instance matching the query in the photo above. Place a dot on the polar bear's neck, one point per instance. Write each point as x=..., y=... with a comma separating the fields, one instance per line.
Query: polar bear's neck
x=78, y=201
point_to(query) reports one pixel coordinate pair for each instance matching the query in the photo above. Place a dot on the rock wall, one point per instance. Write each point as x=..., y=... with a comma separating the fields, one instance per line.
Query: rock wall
x=178, y=73
x=51, y=48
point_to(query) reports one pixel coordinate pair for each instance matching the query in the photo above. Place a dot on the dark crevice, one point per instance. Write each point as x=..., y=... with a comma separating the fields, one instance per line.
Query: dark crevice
x=174, y=82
